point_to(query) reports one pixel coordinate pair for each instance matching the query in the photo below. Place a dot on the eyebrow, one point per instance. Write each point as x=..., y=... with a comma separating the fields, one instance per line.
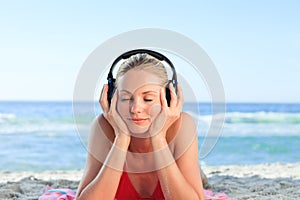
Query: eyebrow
x=146, y=92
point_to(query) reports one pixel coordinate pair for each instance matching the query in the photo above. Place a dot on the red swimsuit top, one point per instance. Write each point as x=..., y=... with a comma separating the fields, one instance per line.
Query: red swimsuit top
x=126, y=191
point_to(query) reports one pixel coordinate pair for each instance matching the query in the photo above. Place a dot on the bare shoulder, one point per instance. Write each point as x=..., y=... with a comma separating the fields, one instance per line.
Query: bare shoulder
x=187, y=120
x=186, y=125
x=101, y=128
x=186, y=116
x=185, y=135
x=182, y=129
x=101, y=137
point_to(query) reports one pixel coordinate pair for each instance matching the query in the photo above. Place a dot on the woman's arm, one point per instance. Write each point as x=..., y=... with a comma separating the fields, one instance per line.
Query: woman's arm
x=182, y=178
x=101, y=180
x=104, y=164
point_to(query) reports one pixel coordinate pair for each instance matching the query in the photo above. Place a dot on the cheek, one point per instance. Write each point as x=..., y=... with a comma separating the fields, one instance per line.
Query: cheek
x=122, y=108
x=155, y=110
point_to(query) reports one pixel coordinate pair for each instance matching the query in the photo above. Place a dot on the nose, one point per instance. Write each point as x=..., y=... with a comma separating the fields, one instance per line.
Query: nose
x=136, y=106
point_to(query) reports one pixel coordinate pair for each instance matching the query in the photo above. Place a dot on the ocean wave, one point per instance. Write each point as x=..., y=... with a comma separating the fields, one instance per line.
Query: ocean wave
x=252, y=118
x=250, y=124
x=6, y=117
x=10, y=123
x=262, y=118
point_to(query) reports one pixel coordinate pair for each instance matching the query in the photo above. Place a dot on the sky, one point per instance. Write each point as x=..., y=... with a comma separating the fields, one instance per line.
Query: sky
x=254, y=45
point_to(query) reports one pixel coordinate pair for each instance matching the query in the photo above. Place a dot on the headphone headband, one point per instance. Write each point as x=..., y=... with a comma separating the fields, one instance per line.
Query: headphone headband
x=155, y=54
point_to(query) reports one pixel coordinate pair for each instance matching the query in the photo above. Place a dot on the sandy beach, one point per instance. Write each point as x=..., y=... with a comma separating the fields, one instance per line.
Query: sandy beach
x=265, y=181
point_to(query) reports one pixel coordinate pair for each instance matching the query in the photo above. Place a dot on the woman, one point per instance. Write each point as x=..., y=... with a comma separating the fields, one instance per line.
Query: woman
x=141, y=147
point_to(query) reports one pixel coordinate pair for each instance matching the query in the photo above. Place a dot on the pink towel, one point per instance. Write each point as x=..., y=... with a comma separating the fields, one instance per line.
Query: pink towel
x=209, y=195
x=58, y=194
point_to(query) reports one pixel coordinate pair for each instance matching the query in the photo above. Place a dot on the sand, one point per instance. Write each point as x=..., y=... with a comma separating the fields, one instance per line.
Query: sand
x=265, y=181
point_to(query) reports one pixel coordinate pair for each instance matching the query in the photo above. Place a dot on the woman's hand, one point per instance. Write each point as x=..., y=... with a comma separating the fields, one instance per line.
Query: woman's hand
x=111, y=114
x=167, y=115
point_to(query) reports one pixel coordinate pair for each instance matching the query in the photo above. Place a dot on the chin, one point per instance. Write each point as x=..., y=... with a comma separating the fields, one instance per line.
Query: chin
x=138, y=131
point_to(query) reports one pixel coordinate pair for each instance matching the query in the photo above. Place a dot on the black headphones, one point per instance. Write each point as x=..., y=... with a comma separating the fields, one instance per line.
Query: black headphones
x=111, y=80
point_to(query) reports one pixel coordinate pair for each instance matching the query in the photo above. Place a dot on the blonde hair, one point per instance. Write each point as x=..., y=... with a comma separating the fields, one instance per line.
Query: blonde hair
x=143, y=61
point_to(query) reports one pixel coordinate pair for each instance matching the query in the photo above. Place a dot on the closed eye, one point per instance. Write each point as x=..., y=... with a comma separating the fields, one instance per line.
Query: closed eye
x=125, y=98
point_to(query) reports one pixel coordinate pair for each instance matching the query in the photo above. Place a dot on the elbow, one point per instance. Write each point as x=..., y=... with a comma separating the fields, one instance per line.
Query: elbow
x=79, y=196
x=198, y=195
x=201, y=195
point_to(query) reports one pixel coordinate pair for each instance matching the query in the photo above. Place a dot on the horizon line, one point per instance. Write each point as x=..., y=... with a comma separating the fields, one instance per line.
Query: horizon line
x=254, y=102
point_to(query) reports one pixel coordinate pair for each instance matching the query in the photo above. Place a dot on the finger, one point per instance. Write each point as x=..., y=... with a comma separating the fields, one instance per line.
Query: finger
x=103, y=99
x=114, y=100
x=173, y=102
x=180, y=98
x=101, y=94
x=163, y=99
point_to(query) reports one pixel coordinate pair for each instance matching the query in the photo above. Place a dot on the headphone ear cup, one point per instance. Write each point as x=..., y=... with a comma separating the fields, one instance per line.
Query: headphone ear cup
x=168, y=96
x=110, y=91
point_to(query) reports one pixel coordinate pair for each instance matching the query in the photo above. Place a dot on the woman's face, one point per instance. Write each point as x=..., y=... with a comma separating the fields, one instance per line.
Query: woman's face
x=139, y=100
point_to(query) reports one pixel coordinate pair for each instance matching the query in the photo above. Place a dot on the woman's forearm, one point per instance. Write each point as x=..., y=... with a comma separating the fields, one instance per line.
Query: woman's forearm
x=172, y=181
x=105, y=184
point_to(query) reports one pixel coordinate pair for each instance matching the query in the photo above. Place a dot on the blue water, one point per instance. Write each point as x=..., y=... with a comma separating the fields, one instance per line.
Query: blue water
x=42, y=135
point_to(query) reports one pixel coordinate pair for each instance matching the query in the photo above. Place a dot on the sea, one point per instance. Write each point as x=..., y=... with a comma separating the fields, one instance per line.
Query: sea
x=37, y=136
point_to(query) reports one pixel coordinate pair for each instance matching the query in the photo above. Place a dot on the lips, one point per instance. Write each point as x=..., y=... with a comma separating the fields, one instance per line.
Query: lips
x=138, y=120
